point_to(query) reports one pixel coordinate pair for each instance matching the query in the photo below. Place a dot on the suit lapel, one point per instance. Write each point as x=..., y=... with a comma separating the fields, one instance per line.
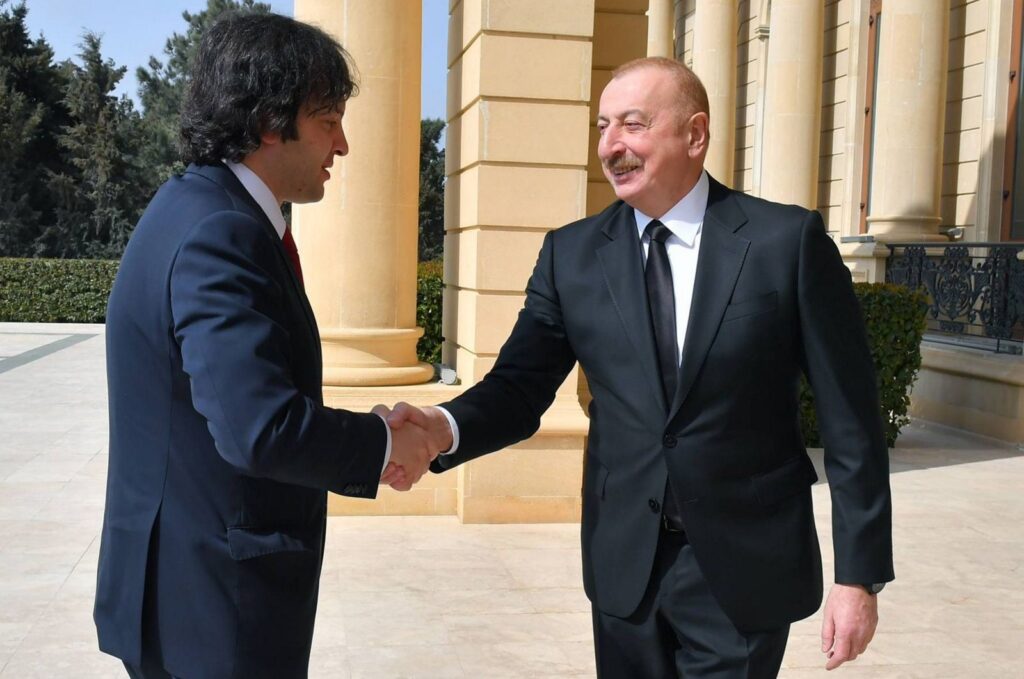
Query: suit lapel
x=221, y=175
x=719, y=262
x=622, y=264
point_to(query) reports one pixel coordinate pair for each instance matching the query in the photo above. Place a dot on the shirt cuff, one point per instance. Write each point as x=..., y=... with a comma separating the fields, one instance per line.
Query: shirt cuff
x=454, y=428
x=387, y=447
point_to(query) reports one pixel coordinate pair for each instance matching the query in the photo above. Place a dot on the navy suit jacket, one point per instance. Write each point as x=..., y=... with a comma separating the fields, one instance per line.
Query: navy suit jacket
x=771, y=299
x=221, y=450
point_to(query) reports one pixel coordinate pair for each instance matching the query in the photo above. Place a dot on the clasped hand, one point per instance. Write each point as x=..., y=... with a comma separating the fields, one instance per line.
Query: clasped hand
x=418, y=436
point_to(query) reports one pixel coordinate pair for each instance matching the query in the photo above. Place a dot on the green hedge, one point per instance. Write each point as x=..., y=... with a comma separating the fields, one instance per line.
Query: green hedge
x=429, y=286
x=55, y=290
x=895, y=319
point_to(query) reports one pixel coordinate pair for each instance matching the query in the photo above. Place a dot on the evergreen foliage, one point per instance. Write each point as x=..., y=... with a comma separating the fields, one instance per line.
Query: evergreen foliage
x=55, y=290
x=78, y=165
x=101, y=192
x=32, y=115
x=895, y=320
x=429, y=289
x=431, y=240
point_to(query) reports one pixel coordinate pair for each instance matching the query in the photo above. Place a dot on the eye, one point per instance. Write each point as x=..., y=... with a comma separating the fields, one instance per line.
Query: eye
x=601, y=127
x=634, y=125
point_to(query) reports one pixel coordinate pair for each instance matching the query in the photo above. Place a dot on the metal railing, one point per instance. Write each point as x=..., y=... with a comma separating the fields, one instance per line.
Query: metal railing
x=975, y=291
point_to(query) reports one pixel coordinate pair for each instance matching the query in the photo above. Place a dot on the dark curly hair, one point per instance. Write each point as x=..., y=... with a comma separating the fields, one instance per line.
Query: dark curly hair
x=252, y=74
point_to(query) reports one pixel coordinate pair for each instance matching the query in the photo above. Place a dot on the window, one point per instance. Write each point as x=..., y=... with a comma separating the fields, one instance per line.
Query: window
x=874, y=21
x=1013, y=177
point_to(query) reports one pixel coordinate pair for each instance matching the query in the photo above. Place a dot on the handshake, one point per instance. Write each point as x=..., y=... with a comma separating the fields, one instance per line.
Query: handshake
x=418, y=436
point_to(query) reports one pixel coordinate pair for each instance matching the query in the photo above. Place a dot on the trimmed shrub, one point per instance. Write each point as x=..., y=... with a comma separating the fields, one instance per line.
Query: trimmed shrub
x=429, y=286
x=895, y=319
x=55, y=290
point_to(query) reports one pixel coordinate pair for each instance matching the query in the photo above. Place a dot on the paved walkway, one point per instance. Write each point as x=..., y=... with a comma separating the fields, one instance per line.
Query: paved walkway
x=428, y=597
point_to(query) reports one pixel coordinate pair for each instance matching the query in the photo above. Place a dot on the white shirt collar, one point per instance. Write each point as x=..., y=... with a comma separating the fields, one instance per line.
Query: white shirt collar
x=259, y=191
x=683, y=219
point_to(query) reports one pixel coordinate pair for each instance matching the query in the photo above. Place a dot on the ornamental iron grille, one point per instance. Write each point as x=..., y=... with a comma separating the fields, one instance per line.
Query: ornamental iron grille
x=975, y=291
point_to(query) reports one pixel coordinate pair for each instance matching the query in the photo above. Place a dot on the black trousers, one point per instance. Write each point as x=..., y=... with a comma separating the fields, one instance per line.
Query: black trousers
x=680, y=631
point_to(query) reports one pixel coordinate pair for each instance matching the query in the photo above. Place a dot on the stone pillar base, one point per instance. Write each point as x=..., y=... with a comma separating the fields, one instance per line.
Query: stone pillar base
x=536, y=481
x=370, y=357
x=864, y=258
x=908, y=229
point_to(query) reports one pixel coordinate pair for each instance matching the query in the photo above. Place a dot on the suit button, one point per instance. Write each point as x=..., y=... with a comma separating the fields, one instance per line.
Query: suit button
x=654, y=505
x=669, y=441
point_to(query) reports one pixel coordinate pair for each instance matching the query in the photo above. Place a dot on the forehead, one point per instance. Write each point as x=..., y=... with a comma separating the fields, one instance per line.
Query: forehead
x=644, y=89
x=312, y=108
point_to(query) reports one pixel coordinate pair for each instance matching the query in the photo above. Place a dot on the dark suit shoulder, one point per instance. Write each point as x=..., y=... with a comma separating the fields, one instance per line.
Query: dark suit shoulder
x=760, y=207
x=759, y=210
x=593, y=224
x=185, y=200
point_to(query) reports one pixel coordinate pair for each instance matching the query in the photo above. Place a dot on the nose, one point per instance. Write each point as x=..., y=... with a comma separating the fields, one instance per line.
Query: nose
x=610, y=143
x=341, y=143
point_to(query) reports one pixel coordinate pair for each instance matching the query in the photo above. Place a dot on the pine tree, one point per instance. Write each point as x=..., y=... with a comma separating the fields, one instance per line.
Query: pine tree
x=431, y=241
x=31, y=117
x=102, y=192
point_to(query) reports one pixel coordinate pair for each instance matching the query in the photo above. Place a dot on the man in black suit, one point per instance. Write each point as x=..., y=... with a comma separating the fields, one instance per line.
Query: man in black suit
x=693, y=309
x=221, y=450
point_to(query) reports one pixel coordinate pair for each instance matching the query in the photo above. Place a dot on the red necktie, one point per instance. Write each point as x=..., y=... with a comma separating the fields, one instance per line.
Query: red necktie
x=293, y=252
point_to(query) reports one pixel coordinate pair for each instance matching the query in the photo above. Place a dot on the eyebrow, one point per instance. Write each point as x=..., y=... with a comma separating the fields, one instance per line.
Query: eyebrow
x=625, y=114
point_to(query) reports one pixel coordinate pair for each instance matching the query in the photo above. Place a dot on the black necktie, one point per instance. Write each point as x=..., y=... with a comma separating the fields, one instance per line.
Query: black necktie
x=662, y=300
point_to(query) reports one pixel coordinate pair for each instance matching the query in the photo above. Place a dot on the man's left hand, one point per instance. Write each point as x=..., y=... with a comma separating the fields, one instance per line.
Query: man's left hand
x=851, y=615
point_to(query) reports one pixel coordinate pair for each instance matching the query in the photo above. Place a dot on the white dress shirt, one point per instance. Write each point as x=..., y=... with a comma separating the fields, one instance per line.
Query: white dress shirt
x=684, y=220
x=263, y=196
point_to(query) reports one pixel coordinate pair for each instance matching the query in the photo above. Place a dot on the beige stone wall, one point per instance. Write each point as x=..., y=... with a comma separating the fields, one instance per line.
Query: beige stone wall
x=519, y=92
x=518, y=89
x=964, y=147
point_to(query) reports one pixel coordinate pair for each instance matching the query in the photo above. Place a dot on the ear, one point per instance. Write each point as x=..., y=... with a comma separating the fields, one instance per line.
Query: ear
x=270, y=138
x=699, y=134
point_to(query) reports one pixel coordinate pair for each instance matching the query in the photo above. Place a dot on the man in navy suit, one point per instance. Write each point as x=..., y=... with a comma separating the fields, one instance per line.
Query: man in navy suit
x=221, y=450
x=693, y=309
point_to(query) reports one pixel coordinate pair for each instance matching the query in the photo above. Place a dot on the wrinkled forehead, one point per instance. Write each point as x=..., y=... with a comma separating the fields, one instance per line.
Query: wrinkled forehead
x=646, y=90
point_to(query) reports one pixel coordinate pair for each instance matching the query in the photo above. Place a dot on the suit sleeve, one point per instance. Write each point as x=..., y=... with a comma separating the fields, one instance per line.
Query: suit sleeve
x=507, y=404
x=841, y=372
x=230, y=322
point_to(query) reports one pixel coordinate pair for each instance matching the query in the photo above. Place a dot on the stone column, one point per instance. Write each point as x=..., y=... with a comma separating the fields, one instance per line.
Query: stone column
x=906, y=172
x=714, y=61
x=661, y=29
x=358, y=244
x=792, y=126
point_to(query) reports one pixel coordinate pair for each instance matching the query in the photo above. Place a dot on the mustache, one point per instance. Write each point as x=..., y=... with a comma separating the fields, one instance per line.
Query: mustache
x=624, y=162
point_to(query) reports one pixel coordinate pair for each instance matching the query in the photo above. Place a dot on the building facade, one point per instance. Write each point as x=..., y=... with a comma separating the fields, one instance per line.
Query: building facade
x=896, y=119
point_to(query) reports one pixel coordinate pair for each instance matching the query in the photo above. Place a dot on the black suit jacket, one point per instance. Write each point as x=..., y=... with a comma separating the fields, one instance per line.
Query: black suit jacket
x=221, y=451
x=771, y=298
